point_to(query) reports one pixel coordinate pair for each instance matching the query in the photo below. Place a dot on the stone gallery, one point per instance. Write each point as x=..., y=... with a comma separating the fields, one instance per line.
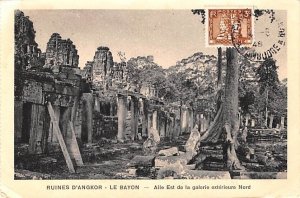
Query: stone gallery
x=94, y=123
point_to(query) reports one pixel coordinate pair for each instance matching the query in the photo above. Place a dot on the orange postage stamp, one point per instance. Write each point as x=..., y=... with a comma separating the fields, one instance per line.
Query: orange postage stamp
x=229, y=26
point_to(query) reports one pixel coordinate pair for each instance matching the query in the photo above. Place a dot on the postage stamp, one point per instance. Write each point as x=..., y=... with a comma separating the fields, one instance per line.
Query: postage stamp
x=228, y=26
x=105, y=100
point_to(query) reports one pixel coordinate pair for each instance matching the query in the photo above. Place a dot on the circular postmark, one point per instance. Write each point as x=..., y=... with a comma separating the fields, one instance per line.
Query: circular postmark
x=269, y=37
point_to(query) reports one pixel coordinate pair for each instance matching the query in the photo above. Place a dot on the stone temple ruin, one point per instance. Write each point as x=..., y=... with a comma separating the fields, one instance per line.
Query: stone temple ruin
x=60, y=108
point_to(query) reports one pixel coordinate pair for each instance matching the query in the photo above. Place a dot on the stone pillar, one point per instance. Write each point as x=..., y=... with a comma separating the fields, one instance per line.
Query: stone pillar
x=64, y=122
x=154, y=130
x=18, y=120
x=184, y=120
x=134, y=117
x=191, y=120
x=241, y=117
x=282, y=123
x=167, y=126
x=171, y=127
x=162, y=127
x=76, y=117
x=144, y=114
x=177, y=127
x=247, y=117
x=149, y=122
x=97, y=104
x=122, y=112
x=154, y=120
x=88, y=116
x=260, y=119
x=271, y=121
x=202, y=123
x=51, y=137
x=39, y=129
x=252, y=123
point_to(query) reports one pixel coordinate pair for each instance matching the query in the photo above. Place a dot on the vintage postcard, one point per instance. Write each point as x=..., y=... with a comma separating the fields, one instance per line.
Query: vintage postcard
x=159, y=100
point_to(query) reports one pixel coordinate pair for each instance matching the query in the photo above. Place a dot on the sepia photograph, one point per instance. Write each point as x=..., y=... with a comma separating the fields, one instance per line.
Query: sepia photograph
x=150, y=94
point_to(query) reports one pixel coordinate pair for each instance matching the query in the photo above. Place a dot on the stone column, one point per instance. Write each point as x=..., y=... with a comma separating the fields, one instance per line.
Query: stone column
x=184, y=120
x=260, y=119
x=271, y=121
x=168, y=122
x=177, y=128
x=247, y=117
x=18, y=121
x=134, y=117
x=162, y=127
x=122, y=111
x=51, y=137
x=149, y=122
x=172, y=126
x=252, y=123
x=88, y=115
x=77, y=117
x=191, y=120
x=144, y=118
x=282, y=123
x=97, y=104
x=202, y=123
x=154, y=120
x=39, y=129
x=64, y=122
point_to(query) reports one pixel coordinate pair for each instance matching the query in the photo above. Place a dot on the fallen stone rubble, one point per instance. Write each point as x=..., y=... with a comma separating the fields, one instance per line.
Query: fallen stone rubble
x=170, y=159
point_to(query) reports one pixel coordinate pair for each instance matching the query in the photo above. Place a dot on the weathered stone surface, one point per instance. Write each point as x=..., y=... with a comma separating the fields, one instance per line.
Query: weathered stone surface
x=131, y=171
x=191, y=166
x=102, y=64
x=141, y=161
x=171, y=171
x=32, y=92
x=201, y=174
x=193, y=143
x=150, y=145
x=136, y=146
x=61, y=52
x=155, y=135
x=244, y=134
x=169, y=152
x=27, y=54
x=164, y=161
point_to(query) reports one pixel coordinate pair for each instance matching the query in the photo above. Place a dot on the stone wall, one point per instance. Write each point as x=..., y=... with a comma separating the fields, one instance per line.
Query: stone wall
x=27, y=53
x=104, y=126
x=37, y=84
x=61, y=52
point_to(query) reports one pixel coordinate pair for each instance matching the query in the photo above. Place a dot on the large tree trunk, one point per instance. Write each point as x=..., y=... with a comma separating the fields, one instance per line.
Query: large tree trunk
x=231, y=121
x=219, y=66
x=227, y=119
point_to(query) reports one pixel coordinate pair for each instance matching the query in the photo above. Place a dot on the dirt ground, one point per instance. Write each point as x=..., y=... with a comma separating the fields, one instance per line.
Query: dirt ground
x=108, y=159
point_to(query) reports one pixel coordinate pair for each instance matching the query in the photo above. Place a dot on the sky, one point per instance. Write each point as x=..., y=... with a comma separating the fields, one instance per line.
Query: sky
x=168, y=35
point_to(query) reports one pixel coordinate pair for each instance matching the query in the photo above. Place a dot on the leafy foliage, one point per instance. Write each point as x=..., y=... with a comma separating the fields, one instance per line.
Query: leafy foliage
x=267, y=75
